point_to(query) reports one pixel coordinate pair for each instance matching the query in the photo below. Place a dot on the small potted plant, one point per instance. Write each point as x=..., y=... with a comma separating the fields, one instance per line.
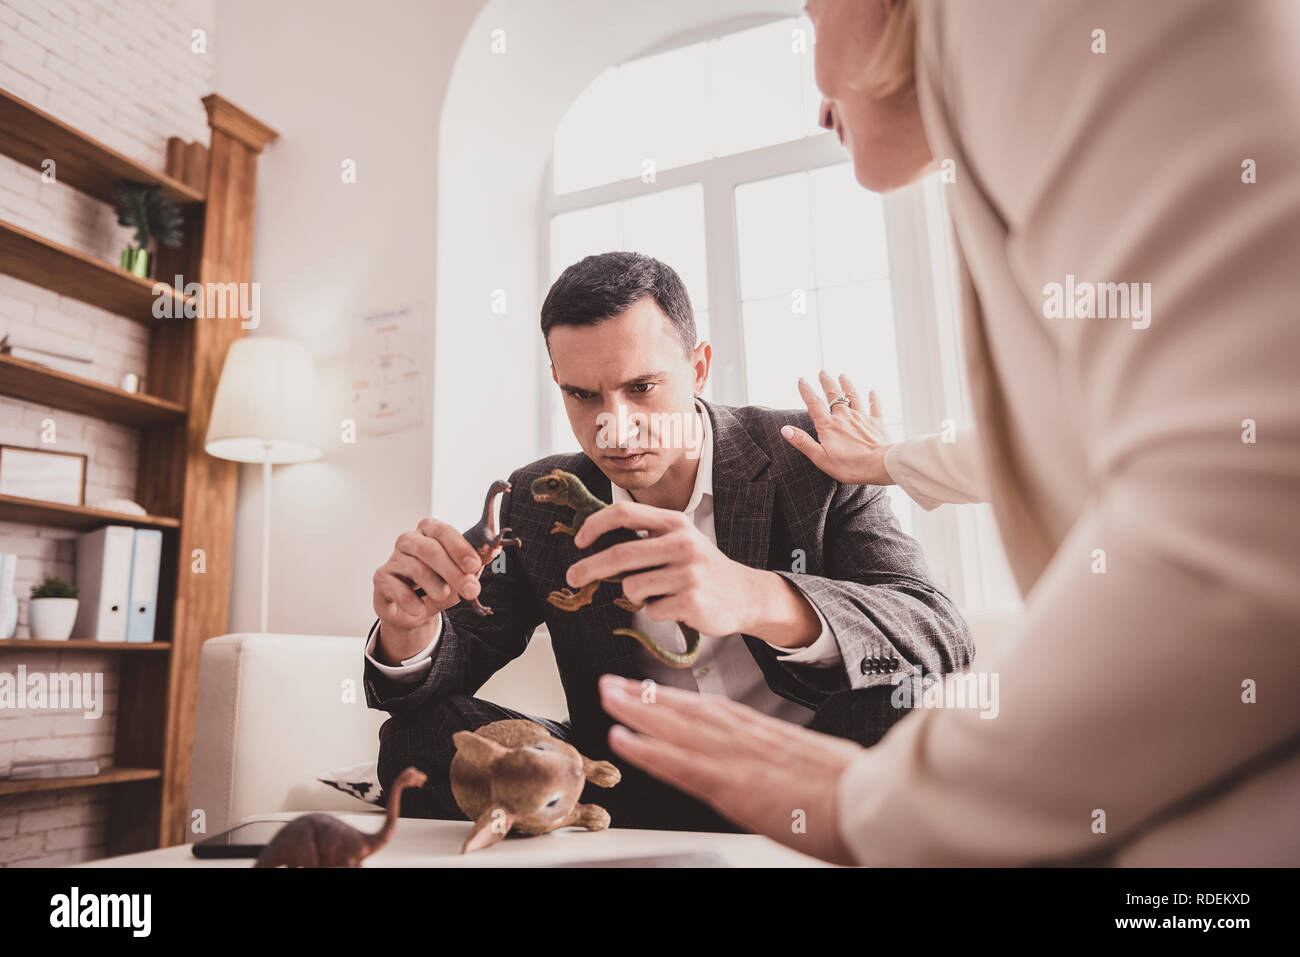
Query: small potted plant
x=53, y=609
x=153, y=216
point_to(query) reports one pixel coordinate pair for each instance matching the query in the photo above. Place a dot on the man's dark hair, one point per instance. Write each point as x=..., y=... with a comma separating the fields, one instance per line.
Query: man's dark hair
x=601, y=287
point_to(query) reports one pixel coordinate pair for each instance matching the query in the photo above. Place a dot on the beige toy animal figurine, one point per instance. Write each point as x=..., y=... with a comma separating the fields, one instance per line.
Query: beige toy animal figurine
x=515, y=775
x=322, y=840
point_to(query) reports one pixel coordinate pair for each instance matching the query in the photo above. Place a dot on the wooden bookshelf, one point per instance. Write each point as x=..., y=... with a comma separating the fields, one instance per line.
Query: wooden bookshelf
x=80, y=644
x=33, y=511
x=106, y=776
x=189, y=494
x=38, y=260
x=31, y=136
x=23, y=379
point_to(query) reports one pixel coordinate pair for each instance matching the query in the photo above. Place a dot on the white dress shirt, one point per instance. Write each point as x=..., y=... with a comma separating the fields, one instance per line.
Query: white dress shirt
x=724, y=666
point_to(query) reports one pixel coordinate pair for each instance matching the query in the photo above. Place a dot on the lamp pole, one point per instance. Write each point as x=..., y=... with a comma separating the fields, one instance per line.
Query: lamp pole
x=266, y=532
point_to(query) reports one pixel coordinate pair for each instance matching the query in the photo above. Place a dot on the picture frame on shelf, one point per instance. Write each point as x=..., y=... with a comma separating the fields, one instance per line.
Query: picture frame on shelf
x=43, y=474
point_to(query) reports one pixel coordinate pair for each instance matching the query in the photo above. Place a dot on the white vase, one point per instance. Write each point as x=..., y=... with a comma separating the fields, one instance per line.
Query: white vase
x=51, y=619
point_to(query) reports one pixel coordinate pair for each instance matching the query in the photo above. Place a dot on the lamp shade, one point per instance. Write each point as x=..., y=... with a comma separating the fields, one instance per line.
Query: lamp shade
x=265, y=409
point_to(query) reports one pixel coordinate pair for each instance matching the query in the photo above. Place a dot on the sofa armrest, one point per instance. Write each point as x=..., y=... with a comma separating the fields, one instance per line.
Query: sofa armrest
x=273, y=712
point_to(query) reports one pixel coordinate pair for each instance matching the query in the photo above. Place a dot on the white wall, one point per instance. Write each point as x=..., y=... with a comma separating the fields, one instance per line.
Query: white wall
x=338, y=80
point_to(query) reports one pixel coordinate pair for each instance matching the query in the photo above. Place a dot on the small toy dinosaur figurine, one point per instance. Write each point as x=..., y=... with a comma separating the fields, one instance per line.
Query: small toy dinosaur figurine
x=322, y=840
x=565, y=488
x=514, y=775
x=486, y=540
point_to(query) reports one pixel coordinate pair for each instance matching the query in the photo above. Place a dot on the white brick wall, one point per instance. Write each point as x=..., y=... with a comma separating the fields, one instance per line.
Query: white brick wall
x=124, y=72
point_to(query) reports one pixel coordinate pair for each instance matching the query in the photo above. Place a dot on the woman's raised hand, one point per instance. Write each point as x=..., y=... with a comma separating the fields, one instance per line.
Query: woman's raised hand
x=851, y=442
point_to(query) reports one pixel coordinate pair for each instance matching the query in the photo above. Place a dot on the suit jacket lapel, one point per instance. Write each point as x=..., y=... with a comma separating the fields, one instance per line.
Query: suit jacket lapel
x=743, y=496
x=743, y=490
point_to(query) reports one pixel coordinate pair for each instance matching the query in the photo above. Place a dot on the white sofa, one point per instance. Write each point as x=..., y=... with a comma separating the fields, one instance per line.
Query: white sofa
x=275, y=711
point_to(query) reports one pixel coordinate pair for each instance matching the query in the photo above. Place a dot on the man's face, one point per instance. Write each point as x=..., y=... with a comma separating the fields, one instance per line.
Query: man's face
x=628, y=386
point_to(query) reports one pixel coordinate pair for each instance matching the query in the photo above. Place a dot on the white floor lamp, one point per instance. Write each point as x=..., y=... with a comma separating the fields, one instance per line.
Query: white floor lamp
x=265, y=411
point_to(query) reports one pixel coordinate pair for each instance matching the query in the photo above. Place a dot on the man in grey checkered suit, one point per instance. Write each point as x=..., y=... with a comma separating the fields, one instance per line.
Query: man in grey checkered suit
x=809, y=598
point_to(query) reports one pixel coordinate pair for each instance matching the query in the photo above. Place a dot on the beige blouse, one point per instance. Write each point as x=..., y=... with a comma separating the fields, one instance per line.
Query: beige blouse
x=1144, y=469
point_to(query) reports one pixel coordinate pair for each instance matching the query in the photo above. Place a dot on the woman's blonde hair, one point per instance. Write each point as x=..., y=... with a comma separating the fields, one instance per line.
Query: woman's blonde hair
x=892, y=65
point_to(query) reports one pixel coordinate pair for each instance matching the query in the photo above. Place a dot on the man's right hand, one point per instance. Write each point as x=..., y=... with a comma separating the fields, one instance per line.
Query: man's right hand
x=436, y=557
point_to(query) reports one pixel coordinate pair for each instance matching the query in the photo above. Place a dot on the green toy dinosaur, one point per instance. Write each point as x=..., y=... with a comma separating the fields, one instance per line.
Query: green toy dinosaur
x=565, y=488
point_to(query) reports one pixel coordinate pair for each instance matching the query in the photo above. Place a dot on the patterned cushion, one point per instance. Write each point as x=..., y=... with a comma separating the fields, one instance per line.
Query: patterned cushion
x=359, y=780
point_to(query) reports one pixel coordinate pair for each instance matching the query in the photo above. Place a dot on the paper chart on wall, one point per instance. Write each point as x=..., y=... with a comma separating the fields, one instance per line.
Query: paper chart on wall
x=386, y=379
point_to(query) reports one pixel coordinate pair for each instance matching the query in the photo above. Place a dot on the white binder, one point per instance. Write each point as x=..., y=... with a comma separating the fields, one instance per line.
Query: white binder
x=144, y=584
x=104, y=583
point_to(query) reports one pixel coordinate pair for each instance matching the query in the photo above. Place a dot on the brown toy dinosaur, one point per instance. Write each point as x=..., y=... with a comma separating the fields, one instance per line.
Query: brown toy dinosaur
x=514, y=775
x=486, y=540
x=565, y=488
x=322, y=840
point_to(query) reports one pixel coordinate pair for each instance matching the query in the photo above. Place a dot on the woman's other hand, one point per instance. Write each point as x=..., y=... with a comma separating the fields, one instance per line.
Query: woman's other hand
x=851, y=442
x=769, y=776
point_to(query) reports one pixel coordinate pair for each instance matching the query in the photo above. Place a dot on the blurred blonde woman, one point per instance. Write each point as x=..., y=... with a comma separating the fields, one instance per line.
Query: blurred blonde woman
x=1140, y=445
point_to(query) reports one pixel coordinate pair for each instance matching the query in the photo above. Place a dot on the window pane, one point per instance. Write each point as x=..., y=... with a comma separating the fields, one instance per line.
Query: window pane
x=757, y=88
x=665, y=103
x=742, y=91
x=589, y=140
x=812, y=96
x=597, y=229
x=669, y=225
x=775, y=237
x=780, y=346
x=848, y=228
x=857, y=327
x=816, y=236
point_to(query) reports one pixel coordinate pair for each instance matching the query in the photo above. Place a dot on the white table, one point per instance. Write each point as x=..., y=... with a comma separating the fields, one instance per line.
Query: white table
x=420, y=842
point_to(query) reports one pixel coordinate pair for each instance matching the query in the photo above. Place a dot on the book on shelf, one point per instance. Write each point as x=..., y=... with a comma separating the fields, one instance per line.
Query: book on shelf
x=57, y=353
x=72, y=768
